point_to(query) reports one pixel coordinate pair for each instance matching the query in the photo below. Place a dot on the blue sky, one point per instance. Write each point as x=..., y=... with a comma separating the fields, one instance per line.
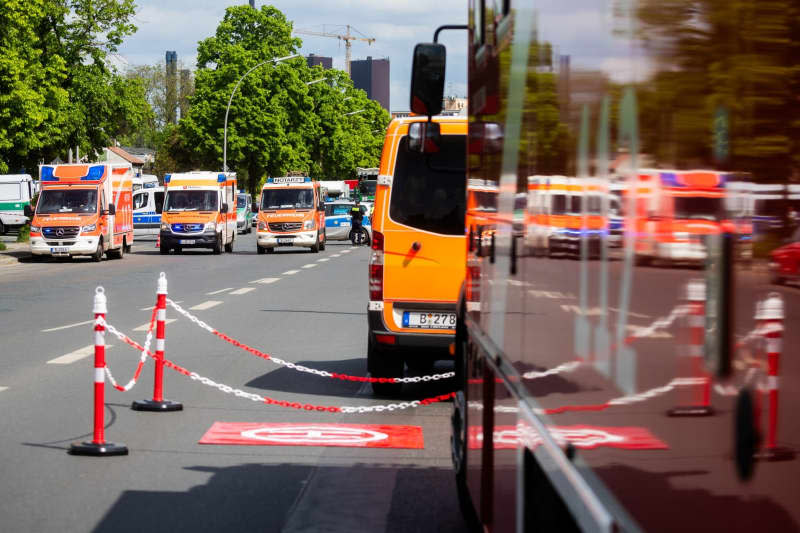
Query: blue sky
x=397, y=25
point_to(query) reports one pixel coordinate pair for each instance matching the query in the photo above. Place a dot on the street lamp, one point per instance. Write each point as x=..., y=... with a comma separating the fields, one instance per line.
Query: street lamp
x=355, y=112
x=225, y=134
x=315, y=81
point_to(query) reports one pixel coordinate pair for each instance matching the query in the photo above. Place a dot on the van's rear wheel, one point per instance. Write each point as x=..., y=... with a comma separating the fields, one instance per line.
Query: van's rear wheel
x=382, y=364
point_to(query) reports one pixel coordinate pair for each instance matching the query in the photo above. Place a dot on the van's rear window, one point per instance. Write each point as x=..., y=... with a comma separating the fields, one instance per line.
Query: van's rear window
x=429, y=190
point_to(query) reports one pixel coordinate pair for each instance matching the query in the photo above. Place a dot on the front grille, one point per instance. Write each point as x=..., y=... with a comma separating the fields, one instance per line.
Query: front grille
x=187, y=228
x=61, y=232
x=285, y=226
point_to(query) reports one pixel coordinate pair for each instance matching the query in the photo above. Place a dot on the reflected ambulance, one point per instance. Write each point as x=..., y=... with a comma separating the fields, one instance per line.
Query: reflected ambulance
x=199, y=211
x=292, y=213
x=83, y=210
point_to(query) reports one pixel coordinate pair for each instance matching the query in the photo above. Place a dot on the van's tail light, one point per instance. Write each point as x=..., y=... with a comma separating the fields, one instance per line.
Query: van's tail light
x=376, y=268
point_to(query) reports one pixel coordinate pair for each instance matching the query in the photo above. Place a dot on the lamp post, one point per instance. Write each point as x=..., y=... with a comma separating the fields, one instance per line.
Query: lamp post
x=228, y=109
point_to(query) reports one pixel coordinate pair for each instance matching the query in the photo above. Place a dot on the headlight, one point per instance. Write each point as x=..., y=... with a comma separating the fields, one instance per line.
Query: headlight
x=165, y=226
x=262, y=225
x=308, y=224
x=35, y=229
x=210, y=226
x=90, y=227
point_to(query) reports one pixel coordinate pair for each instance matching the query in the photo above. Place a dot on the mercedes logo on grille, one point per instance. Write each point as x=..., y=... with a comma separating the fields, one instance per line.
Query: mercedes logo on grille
x=287, y=226
x=60, y=232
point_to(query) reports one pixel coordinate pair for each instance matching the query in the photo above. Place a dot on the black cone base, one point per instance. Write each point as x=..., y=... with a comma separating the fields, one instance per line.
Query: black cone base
x=152, y=405
x=97, y=450
x=691, y=410
x=778, y=453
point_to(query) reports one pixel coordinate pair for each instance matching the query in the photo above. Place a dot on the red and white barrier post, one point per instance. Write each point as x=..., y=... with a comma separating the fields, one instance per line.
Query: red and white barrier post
x=698, y=397
x=98, y=445
x=158, y=403
x=771, y=315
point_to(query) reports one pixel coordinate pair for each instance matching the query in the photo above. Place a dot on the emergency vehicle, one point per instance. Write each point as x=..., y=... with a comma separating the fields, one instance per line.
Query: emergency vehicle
x=147, y=206
x=199, y=211
x=675, y=211
x=16, y=191
x=599, y=395
x=83, y=209
x=292, y=213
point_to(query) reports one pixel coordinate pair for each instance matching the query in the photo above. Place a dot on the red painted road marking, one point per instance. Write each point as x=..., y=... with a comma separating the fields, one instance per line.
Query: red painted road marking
x=342, y=435
x=583, y=437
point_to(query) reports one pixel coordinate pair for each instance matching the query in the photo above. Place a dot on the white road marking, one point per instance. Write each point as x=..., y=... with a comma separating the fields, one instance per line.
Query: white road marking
x=3, y=388
x=243, y=290
x=146, y=325
x=152, y=306
x=310, y=265
x=77, y=355
x=265, y=281
x=290, y=272
x=205, y=305
x=345, y=251
x=219, y=291
x=336, y=255
x=322, y=260
x=68, y=326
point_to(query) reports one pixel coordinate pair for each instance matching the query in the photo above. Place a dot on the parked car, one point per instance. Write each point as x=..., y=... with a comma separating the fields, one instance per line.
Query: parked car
x=784, y=262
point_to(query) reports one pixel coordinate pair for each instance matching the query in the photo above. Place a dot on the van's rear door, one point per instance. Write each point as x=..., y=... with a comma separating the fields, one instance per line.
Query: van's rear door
x=424, y=243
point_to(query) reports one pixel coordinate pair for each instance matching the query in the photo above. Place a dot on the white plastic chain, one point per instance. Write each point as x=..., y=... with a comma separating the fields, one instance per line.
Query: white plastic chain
x=301, y=368
x=226, y=389
x=379, y=408
x=121, y=336
x=662, y=323
x=566, y=367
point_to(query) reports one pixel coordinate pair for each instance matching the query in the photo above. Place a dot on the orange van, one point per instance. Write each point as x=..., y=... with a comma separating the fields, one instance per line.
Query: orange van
x=292, y=213
x=418, y=256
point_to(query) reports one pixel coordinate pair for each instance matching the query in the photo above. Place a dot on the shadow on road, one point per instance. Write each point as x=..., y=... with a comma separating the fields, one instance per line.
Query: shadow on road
x=258, y=497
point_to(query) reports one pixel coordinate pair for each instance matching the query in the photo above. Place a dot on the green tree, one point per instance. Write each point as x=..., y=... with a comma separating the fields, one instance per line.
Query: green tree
x=278, y=120
x=59, y=90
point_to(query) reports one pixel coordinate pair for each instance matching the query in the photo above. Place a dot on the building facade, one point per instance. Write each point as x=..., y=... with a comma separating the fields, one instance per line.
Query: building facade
x=372, y=75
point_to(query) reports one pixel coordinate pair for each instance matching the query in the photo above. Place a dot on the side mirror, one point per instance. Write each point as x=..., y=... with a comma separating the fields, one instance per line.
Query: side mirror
x=224, y=208
x=112, y=210
x=427, y=78
x=424, y=137
x=28, y=211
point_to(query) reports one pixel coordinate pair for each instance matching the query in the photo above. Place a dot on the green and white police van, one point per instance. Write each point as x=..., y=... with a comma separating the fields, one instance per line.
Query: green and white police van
x=16, y=191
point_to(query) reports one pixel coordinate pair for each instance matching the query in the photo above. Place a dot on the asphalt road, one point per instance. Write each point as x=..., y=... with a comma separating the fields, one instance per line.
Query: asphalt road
x=308, y=308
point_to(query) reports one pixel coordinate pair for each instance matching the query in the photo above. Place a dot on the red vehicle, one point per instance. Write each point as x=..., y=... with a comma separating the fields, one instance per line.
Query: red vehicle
x=784, y=262
x=606, y=395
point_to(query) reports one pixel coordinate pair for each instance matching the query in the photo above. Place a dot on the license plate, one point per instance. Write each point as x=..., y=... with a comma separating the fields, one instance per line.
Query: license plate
x=345, y=223
x=186, y=241
x=59, y=250
x=429, y=320
x=285, y=241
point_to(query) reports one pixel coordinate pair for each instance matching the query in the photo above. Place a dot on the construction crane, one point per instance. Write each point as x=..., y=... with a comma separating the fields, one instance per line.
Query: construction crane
x=347, y=38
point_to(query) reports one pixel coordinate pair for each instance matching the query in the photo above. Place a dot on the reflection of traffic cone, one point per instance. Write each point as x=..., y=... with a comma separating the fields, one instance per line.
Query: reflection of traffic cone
x=698, y=396
x=158, y=241
x=770, y=311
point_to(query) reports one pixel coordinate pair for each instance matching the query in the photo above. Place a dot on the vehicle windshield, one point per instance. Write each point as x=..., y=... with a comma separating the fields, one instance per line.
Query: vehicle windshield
x=367, y=187
x=67, y=201
x=286, y=198
x=698, y=207
x=184, y=200
x=429, y=190
x=241, y=201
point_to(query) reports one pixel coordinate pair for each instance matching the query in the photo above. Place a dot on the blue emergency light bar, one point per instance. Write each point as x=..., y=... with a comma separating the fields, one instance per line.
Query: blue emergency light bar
x=167, y=177
x=221, y=177
x=47, y=174
x=95, y=174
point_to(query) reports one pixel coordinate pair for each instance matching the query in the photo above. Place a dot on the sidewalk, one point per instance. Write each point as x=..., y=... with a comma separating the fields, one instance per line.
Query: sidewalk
x=14, y=252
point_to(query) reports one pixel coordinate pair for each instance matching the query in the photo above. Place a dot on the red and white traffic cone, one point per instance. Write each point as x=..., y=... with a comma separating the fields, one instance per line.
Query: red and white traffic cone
x=98, y=445
x=697, y=397
x=771, y=313
x=158, y=241
x=158, y=403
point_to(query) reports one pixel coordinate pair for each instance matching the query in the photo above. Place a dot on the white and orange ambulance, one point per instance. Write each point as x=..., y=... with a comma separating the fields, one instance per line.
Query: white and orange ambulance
x=292, y=213
x=199, y=211
x=83, y=209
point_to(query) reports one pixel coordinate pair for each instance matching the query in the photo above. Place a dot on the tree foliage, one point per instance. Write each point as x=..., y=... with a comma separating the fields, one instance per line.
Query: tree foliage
x=57, y=89
x=277, y=121
x=730, y=64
